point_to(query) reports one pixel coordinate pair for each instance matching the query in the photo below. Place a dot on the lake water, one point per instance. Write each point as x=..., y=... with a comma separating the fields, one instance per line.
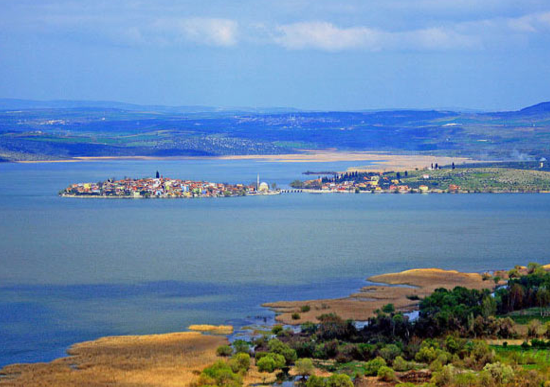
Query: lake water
x=77, y=269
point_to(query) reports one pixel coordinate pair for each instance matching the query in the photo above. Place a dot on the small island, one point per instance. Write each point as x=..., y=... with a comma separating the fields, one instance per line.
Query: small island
x=162, y=187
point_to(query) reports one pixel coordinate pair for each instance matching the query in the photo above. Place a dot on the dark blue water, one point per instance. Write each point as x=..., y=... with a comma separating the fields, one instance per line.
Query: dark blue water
x=77, y=269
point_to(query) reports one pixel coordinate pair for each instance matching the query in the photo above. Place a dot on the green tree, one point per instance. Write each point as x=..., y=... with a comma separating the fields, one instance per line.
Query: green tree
x=241, y=346
x=270, y=362
x=339, y=380
x=316, y=381
x=240, y=362
x=386, y=374
x=278, y=347
x=488, y=306
x=304, y=367
x=388, y=308
x=224, y=350
x=219, y=374
x=372, y=366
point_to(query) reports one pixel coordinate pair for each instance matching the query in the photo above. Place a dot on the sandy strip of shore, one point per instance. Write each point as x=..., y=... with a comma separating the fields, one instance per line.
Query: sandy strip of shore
x=361, y=306
x=166, y=360
x=380, y=160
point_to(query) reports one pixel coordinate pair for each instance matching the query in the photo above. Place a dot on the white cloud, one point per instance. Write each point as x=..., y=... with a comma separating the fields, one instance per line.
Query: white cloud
x=327, y=36
x=208, y=31
x=533, y=23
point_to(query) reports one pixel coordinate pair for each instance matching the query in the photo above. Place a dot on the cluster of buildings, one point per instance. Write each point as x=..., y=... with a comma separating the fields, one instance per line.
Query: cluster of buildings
x=161, y=187
x=375, y=183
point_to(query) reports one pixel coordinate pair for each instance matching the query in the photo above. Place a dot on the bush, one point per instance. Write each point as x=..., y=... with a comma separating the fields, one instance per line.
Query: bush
x=444, y=377
x=390, y=352
x=372, y=367
x=240, y=362
x=339, y=381
x=224, y=350
x=400, y=364
x=277, y=329
x=386, y=374
x=316, y=381
x=295, y=316
x=305, y=308
x=304, y=367
x=278, y=347
x=219, y=373
x=500, y=373
x=241, y=346
x=270, y=362
x=533, y=328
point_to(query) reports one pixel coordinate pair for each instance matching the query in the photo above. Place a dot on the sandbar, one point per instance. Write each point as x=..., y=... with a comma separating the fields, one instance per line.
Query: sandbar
x=362, y=305
x=381, y=161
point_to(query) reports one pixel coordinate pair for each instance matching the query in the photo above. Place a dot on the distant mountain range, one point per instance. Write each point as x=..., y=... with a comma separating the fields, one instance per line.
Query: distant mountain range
x=24, y=104
x=36, y=130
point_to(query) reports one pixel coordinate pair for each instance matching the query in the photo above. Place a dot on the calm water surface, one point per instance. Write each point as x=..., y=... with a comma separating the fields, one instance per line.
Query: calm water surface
x=77, y=269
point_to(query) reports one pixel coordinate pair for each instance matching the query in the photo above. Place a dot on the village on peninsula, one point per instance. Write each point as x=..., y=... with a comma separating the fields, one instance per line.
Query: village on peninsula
x=162, y=187
x=527, y=177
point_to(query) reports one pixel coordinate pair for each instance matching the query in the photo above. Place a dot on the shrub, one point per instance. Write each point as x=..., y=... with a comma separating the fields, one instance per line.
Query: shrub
x=270, y=362
x=278, y=347
x=241, y=346
x=386, y=374
x=339, y=381
x=500, y=373
x=304, y=367
x=316, y=381
x=444, y=377
x=372, y=367
x=390, y=352
x=224, y=350
x=240, y=362
x=400, y=364
x=305, y=308
x=533, y=328
x=277, y=329
x=219, y=373
x=466, y=379
x=295, y=316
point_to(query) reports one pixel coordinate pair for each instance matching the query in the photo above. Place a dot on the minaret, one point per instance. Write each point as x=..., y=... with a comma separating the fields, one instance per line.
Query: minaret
x=258, y=183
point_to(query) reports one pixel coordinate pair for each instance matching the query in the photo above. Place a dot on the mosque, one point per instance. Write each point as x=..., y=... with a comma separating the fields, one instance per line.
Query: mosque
x=261, y=187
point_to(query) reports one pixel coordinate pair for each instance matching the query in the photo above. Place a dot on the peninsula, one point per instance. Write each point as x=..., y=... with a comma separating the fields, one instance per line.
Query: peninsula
x=496, y=177
x=161, y=187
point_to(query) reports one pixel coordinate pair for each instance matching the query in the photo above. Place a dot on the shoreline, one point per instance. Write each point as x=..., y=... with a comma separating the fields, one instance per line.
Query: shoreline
x=359, y=306
x=380, y=161
x=403, y=289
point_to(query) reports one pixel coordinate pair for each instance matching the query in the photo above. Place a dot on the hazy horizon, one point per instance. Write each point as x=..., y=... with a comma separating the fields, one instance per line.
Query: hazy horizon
x=90, y=103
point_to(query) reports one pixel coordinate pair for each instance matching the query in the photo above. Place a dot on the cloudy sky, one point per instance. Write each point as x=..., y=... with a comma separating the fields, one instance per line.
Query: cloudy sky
x=311, y=54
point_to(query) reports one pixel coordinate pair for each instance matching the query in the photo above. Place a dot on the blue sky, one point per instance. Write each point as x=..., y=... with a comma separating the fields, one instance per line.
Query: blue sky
x=311, y=54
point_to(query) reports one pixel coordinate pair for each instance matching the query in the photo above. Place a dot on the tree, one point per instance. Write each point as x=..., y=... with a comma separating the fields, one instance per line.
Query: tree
x=304, y=367
x=240, y=362
x=453, y=165
x=158, y=174
x=543, y=299
x=388, y=308
x=339, y=380
x=241, y=346
x=276, y=346
x=273, y=186
x=270, y=362
x=316, y=381
x=224, y=350
x=488, y=306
